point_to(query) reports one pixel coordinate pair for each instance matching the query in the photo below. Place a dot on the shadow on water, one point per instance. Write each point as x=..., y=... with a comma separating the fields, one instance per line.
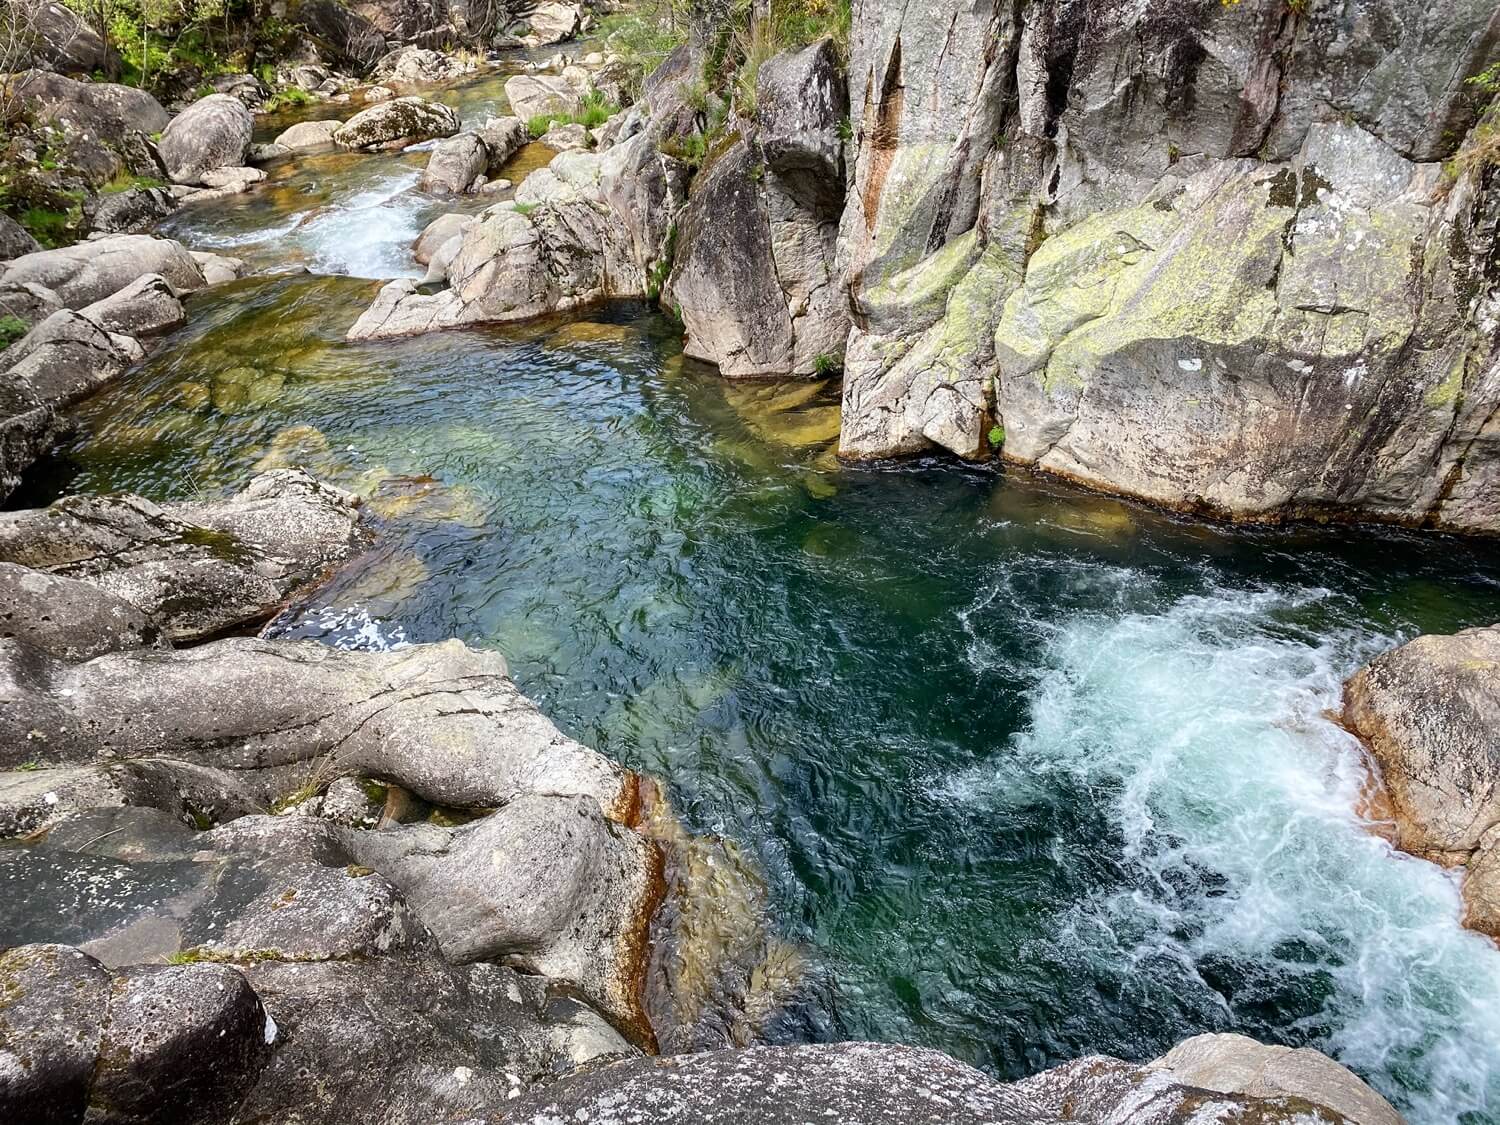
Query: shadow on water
x=1031, y=772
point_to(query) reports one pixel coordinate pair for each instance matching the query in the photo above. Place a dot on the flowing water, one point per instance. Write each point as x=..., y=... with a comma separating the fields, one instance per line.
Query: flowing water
x=1031, y=773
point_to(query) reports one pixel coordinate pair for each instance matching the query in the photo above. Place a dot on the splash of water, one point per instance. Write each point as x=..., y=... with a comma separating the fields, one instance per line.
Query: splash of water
x=1201, y=726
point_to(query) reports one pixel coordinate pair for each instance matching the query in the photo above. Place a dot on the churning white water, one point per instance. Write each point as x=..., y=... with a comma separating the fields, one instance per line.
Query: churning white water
x=1201, y=724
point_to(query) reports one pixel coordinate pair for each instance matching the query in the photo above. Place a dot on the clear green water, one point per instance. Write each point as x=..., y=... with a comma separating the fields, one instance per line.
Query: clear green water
x=1031, y=773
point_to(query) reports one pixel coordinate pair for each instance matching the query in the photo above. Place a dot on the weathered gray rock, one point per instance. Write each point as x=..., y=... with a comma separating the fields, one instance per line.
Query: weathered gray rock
x=237, y=178
x=755, y=277
x=418, y=64
x=441, y=721
x=105, y=111
x=218, y=268
x=266, y=153
x=553, y=21
x=1430, y=713
x=1237, y=1064
x=193, y=1037
x=457, y=165
x=65, y=358
x=397, y=123
x=29, y=302
x=307, y=136
x=93, y=270
x=145, y=307
x=533, y=95
x=131, y=211
x=63, y=42
x=69, y=619
x=49, y=1031
x=194, y=568
x=597, y=226
x=503, y=137
x=566, y=138
x=548, y=884
x=212, y=133
x=1128, y=351
x=246, y=87
x=436, y=233
x=15, y=239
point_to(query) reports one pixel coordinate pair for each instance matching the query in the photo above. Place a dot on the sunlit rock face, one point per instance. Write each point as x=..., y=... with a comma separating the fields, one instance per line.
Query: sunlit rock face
x=1202, y=254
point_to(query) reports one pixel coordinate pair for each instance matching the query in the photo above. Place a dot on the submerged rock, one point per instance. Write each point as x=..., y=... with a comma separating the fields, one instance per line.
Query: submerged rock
x=1430, y=713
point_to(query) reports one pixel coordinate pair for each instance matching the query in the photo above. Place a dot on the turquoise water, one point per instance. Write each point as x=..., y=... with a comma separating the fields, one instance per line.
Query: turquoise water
x=1031, y=773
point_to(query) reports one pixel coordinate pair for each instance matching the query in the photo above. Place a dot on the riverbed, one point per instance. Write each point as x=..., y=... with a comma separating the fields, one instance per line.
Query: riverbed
x=1030, y=773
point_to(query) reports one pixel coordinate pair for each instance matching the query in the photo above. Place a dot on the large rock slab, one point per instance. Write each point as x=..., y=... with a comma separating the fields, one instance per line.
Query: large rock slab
x=63, y=42
x=100, y=267
x=457, y=165
x=195, y=569
x=308, y=136
x=396, y=123
x=442, y=721
x=212, y=133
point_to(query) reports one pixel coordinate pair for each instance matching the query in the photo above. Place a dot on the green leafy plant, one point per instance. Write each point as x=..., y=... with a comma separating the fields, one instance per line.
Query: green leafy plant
x=288, y=98
x=825, y=364
x=996, y=435
x=595, y=110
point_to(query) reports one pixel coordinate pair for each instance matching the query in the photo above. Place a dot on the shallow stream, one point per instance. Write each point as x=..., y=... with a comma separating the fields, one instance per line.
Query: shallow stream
x=1030, y=773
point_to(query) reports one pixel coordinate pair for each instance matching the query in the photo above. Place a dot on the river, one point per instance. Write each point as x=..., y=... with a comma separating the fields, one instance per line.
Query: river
x=1030, y=772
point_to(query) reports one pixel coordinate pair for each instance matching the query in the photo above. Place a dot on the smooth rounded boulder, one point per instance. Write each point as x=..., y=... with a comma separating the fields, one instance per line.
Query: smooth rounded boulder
x=397, y=123
x=537, y=95
x=212, y=133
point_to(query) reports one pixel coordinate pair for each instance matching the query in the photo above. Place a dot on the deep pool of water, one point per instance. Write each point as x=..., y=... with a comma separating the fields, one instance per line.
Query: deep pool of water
x=1031, y=773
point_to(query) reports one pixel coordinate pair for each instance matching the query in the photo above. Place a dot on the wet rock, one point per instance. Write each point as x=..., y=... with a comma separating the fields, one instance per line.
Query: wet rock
x=193, y=1037
x=1429, y=712
x=237, y=179
x=197, y=568
x=533, y=95
x=145, y=307
x=457, y=165
x=307, y=136
x=266, y=153
x=15, y=240
x=436, y=233
x=396, y=123
x=218, y=268
x=212, y=133
x=50, y=1030
x=93, y=270
x=130, y=211
x=1237, y=1064
x=441, y=721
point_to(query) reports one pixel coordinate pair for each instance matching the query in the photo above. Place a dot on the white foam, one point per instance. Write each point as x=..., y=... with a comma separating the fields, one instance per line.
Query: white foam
x=1233, y=795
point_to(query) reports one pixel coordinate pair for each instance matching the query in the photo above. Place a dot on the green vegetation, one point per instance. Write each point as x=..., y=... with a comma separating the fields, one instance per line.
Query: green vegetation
x=52, y=227
x=825, y=364
x=186, y=956
x=526, y=208
x=644, y=36
x=32, y=764
x=12, y=328
x=595, y=111
x=663, y=266
x=125, y=181
x=286, y=98
x=996, y=435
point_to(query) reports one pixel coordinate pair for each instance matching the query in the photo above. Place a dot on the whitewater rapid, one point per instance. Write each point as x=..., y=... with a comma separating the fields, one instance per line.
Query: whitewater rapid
x=1204, y=727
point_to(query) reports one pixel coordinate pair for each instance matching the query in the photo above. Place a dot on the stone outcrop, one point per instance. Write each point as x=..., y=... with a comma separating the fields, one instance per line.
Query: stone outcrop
x=15, y=239
x=106, y=126
x=418, y=64
x=195, y=569
x=536, y=95
x=132, y=211
x=212, y=133
x=879, y=1084
x=1175, y=253
x=755, y=279
x=395, y=124
x=588, y=227
x=59, y=40
x=90, y=271
x=462, y=163
x=1429, y=712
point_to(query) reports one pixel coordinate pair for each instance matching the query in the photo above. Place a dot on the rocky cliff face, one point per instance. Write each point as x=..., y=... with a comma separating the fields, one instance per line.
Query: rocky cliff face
x=1196, y=252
